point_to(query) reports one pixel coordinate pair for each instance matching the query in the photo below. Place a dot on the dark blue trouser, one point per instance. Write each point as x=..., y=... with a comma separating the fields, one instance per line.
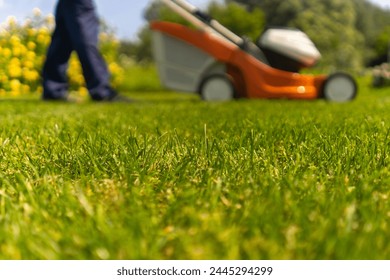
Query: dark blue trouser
x=77, y=29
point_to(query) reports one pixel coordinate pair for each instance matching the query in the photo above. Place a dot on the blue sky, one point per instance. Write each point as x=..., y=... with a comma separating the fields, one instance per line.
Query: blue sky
x=126, y=16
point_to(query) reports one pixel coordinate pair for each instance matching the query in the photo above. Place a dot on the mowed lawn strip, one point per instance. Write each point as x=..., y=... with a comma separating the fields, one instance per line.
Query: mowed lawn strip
x=171, y=177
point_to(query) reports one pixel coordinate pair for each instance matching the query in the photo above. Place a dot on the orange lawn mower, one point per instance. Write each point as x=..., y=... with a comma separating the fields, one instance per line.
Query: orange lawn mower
x=220, y=65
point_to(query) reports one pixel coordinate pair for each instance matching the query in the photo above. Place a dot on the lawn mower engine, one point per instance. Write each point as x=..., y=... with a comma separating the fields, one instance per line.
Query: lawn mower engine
x=288, y=49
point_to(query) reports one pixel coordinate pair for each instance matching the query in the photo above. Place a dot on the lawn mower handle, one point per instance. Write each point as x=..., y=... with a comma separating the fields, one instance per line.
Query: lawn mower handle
x=205, y=22
x=202, y=20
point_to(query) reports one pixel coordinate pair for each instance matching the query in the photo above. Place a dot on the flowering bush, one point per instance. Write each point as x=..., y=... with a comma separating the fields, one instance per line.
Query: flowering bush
x=22, y=54
x=381, y=75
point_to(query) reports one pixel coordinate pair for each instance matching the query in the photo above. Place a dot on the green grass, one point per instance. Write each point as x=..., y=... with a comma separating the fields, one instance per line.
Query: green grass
x=141, y=78
x=171, y=177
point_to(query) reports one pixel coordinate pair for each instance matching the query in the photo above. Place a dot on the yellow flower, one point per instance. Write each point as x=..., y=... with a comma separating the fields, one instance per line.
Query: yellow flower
x=14, y=71
x=26, y=89
x=3, y=79
x=16, y=51
x=83, y=91
x=28, y=64
x=31, y=46
x=19, y=50
x=7, y=53
x=14, y=40
x=15, y=61
x=30, y=75
x=113, y=67
x=78, y=79
x=15, y=85
x=30, y=55
x=31, y=32
x=41, y=39
x=44, y=31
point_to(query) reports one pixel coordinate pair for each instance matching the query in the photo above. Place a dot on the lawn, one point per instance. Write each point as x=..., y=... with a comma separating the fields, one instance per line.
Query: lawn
x=171, y=177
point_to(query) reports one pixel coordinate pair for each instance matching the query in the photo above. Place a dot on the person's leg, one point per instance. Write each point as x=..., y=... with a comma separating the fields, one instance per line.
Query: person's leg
x=55, y=84
x=83, y=26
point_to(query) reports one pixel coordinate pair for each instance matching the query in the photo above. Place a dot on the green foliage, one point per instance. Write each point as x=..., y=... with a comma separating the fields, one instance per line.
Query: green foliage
x=382, y=43
x=330, y=24
x=238, y=19
x=338, y=37
x=179, y=179
x=141, y=50
x=346, y=32
x=371, y=22
x=141, y=77
x=233, y=16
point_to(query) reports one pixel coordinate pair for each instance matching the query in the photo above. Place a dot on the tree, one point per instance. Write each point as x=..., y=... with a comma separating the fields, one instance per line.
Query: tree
x=373, y=22
x=238, y=19
x=349, y=33
x=141, y=50
x=382, y=43
x=233, y=16
x=330, y=24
